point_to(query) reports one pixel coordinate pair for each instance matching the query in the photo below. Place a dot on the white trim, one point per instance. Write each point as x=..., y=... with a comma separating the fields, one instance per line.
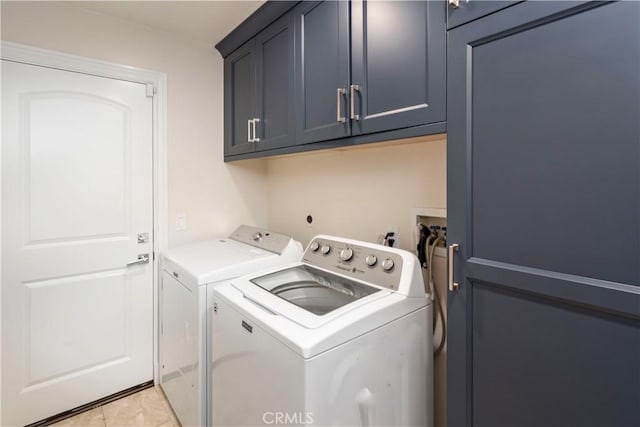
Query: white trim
x=63, y=61
x=433, y=212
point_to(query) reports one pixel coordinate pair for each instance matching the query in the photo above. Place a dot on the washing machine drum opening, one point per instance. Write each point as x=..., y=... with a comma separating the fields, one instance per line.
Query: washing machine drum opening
x=314, y=290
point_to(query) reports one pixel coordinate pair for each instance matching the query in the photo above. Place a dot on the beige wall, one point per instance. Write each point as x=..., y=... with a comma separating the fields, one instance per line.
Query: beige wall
x=357, y=192
x=215, y=197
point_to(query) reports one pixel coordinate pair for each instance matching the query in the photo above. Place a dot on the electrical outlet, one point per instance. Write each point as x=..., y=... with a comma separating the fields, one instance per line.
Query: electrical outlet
x=181, y=222
x=396, y=234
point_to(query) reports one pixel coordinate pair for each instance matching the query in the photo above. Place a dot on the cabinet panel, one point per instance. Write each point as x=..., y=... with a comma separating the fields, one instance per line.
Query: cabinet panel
x=398, y=64
x=239, y=99
x=322, y=67
x=575, y=104
x=275, y=106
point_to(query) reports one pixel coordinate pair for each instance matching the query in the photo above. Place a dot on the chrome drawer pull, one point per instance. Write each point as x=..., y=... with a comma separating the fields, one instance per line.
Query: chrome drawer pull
x=453, y=286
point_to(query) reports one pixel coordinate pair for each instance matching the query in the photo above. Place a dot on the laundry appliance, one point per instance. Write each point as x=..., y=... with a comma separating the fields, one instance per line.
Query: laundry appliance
x=189, y=275
x=341, y=338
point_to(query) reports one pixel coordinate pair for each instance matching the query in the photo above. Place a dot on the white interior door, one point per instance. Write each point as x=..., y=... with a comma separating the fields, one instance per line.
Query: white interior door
x=77, y=323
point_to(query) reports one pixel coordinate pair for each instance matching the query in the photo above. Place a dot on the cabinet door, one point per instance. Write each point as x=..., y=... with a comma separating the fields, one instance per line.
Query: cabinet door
x=322, y=70
x=398, y=64
x=544, y=201
x=239, y=99
x=275, y=127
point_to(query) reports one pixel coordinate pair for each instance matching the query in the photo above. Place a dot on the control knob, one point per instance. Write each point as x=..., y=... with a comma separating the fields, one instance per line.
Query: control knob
x=257, y=236
x=371, y=260
x=387, y=264
x=314, y=246
x=325, y=249
x=346, y=254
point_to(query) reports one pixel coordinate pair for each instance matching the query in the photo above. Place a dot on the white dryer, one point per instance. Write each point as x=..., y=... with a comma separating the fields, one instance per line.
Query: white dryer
x=189, y=275
x=341, y=338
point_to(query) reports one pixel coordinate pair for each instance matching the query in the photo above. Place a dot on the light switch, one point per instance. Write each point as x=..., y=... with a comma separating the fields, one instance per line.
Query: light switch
x=181, y=222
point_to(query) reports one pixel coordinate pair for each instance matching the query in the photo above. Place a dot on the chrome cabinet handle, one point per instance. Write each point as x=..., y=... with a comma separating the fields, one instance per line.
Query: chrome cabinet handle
x=453, y=286
x=142, y=259
x=339, y=93
x=255, y=138
x=354, y=89
x=456, y=3
x=249, y=127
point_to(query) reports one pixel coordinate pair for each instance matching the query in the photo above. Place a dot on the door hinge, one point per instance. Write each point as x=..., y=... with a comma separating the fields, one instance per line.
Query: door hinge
x=154, y=256
x=151, y=90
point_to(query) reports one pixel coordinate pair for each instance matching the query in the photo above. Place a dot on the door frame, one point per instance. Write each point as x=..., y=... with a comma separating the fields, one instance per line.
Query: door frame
x=155, y=81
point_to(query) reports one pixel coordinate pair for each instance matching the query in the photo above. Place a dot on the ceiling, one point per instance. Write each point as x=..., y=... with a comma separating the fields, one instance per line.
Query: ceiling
x=203, y=21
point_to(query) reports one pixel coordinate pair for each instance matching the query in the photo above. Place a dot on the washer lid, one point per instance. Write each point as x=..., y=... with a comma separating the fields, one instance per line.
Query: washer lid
x=306, y=295
x=215, y=260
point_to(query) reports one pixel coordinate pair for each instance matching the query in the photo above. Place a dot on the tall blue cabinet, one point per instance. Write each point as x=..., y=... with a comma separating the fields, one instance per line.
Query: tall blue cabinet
x=543, y=163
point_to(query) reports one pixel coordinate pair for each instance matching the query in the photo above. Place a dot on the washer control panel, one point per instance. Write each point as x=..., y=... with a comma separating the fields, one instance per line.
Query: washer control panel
x=372, y=264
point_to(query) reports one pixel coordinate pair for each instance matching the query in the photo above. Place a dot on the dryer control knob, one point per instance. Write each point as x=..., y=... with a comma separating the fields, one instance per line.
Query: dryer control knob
x=371, y=260
x=314, y=246
x=257, y=236
x=346, y=254
x=387, y=264
x=325, y=249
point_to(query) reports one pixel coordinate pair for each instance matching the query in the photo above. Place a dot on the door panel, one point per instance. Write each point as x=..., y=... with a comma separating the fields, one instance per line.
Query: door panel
x=401, y=74
x=574, y=178
x=76, y=190
x=239, y=99
x=54, y=307
x=62, y=177
x=531, y=356
x=274, y=58
x=543, y=162
x=322, y=68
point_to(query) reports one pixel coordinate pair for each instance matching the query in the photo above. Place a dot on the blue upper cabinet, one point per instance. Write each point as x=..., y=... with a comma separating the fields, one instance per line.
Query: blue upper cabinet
x=398, y=66
x=239, y=100
x=258, y=89
x=334, y=73
x=322, y=71
x=388, y=73
x=275, y=118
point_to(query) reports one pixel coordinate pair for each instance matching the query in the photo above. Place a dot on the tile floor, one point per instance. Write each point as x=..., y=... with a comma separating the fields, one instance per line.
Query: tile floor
x=147, y=408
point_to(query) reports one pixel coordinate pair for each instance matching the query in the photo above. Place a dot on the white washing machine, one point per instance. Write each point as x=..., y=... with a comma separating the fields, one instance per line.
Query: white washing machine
x=190, y=273
x=341, y=338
